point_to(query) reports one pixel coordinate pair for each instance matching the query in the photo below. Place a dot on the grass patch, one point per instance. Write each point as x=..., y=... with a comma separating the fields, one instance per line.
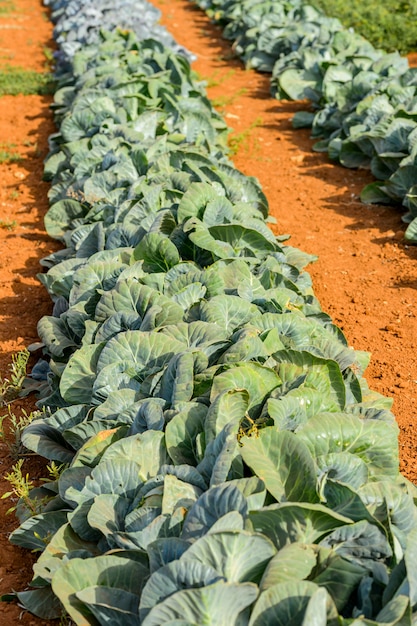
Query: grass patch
x=7, y=157
x=7, y=154
x=18, y=81
x=218, y=78
x=391, y=25
x=224, y=101
x=8, y=224
x=7, y=7
x=245, y=140
x=10, y=387
x=22, y=485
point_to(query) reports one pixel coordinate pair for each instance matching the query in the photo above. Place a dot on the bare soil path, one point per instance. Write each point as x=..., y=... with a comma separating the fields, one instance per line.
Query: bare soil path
x=25, y=124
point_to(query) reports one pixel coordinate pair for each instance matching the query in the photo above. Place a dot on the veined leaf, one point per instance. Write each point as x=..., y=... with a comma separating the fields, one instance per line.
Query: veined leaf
x=173, y=577
x=158, y=253
x=283, y=604
x=195, y=200
x=373, y=441
x=126, y=571
x=228, y=312
x=41, y=602
x=288, y=522
x=146, y=352
x=239, y=556
x=109, y=605
x=228, y=407
x=182, y=431
x=283, y=462
x=37, y=531
x=210, y=506
x=215, y=605
x=294, y=561
x=78, y=377
x=257, y=380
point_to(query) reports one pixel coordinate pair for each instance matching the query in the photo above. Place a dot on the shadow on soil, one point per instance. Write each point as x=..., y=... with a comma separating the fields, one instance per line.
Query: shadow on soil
x=17, y=311
x=387, y=219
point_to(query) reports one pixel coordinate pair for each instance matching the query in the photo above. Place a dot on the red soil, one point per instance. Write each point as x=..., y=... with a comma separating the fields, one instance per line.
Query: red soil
x=25, y=124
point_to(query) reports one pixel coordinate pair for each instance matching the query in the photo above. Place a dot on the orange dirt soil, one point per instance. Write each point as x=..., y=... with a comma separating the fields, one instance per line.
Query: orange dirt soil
x=366, y=277
x=25, y=124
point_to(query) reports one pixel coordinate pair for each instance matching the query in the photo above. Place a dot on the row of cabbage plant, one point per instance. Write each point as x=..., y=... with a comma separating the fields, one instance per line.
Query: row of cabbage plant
x=364, y=100
x=223, y=460
x=79, y=22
